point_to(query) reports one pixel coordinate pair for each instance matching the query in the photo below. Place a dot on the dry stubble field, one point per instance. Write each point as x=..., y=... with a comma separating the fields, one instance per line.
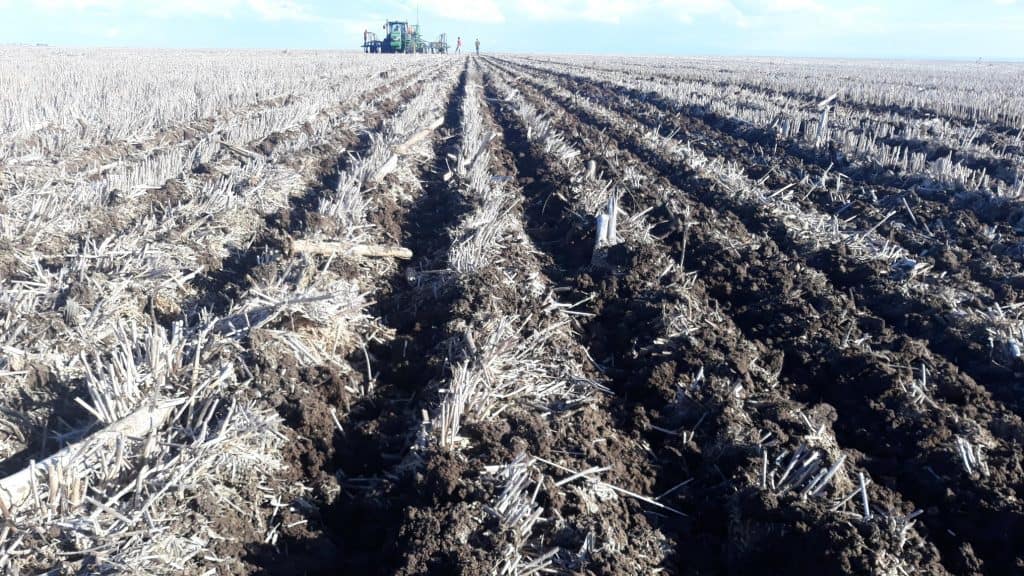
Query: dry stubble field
x=317, y=313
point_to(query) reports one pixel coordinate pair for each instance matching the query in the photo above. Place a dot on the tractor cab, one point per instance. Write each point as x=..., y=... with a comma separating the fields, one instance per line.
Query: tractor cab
x=398, y=37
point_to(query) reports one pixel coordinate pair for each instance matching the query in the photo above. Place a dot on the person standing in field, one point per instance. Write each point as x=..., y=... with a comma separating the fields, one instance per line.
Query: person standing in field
x=458, y=45
x=477, y=46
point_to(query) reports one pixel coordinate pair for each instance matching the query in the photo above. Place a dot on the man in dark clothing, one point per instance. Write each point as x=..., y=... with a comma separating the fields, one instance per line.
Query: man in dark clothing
x=478, y=46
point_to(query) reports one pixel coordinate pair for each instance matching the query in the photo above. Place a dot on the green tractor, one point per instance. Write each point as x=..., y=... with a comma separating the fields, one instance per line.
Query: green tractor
x=402, y=37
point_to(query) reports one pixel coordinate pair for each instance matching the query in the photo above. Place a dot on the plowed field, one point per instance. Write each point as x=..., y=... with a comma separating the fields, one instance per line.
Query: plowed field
x=521, y=315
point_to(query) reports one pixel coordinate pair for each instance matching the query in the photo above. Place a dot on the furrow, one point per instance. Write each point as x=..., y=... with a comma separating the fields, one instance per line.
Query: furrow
x=79, y=147
x=514, y=391
x=356, y=505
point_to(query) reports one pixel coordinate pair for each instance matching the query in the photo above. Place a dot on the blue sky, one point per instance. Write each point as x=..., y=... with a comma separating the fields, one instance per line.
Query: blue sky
x=873, y=28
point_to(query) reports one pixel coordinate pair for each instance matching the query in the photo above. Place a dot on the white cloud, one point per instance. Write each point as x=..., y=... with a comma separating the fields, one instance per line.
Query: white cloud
x=1005, y=2
x=792, y=6
x=263, y=9
x=613, y=11
x=281, y=10
x=689, y=10
x=209, y=8
x=77, y=4
x=861, y=19
x=466, y=10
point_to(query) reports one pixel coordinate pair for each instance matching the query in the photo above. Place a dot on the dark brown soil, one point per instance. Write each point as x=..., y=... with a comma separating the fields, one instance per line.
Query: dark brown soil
x=929, y=318
x=791, y=343
x=354, y=524
x=627, y=307
x=762, y=294
x=1003, y=168
x=778, y=322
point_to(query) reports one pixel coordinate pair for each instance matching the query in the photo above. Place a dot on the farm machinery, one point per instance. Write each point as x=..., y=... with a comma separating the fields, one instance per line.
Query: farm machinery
x=402, y=38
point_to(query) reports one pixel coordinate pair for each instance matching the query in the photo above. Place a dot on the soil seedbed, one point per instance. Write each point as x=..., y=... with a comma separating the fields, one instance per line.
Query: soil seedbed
x=948, y=235
x=676, y=73
x=645, y=369
x=510, y=316
x=904, y=160
x=135, y=189
x=981, y=342
x=242, y=327
x=821, y=363
x=603, y=496
x=103, y=271
x=90, y=158
x=331, y=406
